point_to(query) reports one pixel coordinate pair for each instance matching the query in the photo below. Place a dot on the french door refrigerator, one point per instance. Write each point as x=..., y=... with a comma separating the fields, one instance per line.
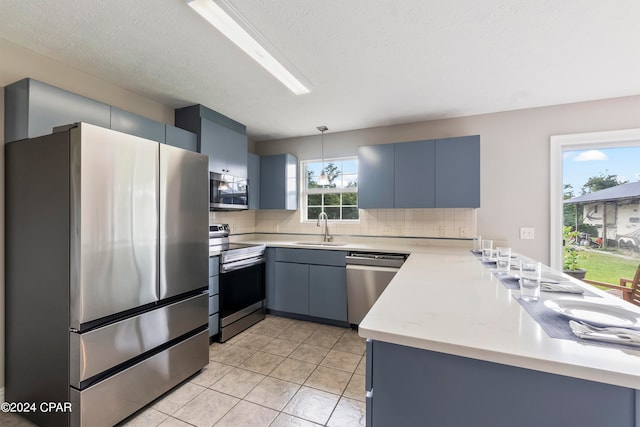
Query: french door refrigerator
x=106, y=273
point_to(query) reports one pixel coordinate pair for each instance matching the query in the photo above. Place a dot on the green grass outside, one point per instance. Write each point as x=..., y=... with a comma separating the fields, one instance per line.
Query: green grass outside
x=604, y=267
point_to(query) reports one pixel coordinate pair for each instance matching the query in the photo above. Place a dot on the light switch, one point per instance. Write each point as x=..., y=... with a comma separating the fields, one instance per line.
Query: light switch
x=527, y=232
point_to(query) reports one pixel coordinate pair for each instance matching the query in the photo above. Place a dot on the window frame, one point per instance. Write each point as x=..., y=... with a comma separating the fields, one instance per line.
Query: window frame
x=305, y=192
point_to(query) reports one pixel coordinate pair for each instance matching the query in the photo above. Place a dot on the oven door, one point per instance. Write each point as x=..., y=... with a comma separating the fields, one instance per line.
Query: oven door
x=241, y=290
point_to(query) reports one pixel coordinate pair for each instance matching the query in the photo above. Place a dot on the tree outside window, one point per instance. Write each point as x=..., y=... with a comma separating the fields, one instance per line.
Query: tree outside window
x=339, y=199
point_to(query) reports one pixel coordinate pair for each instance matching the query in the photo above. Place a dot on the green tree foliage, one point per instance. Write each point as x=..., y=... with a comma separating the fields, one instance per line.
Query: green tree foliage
x=600, y=182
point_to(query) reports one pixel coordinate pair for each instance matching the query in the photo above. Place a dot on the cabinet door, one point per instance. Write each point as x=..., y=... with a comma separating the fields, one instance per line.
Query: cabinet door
x=458, y=172
x=376, y=176
x=328, y=292
x=253, y=172
x=415, y=174
x=292, y=288
x=279, y=182
x=226, y=148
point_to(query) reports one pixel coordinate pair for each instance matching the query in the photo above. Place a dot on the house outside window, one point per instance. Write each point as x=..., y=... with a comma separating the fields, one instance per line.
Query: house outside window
x=339, y=198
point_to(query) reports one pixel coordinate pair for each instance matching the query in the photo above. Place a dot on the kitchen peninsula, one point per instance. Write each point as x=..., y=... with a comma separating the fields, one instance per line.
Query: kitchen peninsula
x=449, y=345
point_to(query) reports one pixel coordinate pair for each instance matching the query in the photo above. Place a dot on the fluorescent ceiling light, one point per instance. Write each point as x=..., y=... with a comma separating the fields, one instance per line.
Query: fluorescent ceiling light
x=222, y=20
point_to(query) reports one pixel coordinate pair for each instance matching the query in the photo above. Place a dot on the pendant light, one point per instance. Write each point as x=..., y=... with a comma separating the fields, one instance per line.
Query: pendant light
x=323, y=179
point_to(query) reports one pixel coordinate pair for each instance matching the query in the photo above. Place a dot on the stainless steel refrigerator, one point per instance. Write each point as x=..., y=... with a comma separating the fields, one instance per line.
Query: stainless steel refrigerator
x=106, y=273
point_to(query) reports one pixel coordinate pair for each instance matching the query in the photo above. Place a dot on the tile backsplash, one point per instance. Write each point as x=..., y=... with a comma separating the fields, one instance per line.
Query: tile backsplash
x=451, y=223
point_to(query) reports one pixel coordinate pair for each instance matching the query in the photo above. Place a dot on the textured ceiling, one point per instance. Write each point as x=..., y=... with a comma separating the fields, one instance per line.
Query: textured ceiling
x=370, y=62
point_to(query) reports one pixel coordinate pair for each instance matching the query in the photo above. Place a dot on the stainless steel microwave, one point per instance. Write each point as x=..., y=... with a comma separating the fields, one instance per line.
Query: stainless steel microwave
x=227, y=192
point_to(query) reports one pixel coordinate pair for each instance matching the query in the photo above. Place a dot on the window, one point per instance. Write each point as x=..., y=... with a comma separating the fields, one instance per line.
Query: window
x=339, y=199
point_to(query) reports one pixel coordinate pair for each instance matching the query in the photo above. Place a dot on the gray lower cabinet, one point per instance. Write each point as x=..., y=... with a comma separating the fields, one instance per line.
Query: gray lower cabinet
x=414, y=387
x=308, y=282
x=214, y=296
x=279, y=182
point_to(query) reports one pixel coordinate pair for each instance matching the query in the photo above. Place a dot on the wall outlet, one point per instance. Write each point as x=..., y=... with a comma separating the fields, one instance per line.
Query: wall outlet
x=527, y=233
x=462, y=231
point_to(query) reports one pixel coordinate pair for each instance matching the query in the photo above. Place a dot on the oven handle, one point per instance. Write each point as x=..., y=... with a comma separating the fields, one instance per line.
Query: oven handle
x=237, y=265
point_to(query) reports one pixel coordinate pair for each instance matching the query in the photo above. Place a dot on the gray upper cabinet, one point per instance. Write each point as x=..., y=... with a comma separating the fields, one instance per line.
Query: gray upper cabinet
x=134, y=124
x=415, y=174
x=443, y=173
x=253, y=172
x=33, y=108
x=223, y=139
x=458, y=172
x=180, y=138
x=279, y=182
x=376, y=176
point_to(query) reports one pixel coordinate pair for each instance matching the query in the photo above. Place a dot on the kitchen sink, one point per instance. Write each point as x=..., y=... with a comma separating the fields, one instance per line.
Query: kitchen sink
x=321, y=243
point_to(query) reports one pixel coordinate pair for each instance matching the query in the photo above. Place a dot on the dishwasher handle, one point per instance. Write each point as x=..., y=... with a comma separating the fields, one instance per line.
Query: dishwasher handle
x=378, y=261
x=373, y=268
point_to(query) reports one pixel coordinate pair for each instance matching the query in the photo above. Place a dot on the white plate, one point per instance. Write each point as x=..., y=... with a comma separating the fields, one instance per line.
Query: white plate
x=595, y=313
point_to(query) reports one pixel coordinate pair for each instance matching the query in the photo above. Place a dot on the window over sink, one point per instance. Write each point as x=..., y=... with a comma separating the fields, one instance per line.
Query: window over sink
x=338, y=198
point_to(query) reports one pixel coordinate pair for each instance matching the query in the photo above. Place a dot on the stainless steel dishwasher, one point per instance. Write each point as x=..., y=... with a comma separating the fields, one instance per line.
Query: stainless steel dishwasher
x=368, y=274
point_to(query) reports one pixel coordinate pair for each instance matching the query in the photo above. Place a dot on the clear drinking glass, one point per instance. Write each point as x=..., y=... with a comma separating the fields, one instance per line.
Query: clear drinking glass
x=487, y=248
x=503, y=258
x=530, y=274
x=477, y=243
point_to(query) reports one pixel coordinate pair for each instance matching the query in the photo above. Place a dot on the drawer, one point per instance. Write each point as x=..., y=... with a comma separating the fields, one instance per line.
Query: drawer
x=311, y=256
x=117, y=397
x=214, y=306
x=214, y=285
x=100, y=349
x=214, y=265
x=213, y=324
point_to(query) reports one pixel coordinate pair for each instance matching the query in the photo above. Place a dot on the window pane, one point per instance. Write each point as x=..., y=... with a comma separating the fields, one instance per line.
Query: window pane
x=333, y=213
x=315, y=200
x=312, y=213
x=350, y=166
x=350, y=199
x=332, y=199
x=349, y=213
x=350, y=181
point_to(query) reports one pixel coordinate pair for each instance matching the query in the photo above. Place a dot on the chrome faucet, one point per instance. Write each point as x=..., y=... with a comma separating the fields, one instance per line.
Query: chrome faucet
x=326, y=236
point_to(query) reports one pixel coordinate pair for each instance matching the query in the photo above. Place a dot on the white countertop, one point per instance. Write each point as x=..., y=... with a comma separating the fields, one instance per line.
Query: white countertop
x=443, y=299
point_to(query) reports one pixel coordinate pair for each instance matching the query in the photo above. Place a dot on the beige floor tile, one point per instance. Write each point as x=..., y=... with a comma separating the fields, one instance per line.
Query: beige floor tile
x=206, y=409
x=286, y=420
x=178, y=398
x=252, y=341
x=293, y=370
x=350, y=343
x=362, y=366
x=172, y=422
x=309, y=353
x=328, y=379
x=312, y=405
x=266, y=329
x=272, y=393
x=280, y=347
x=262, y=363
x=341, y=360
x=348, y=413
x=355, y=388
x=239, y=382
x=232, y=355
x=246, y=414
x=322, y=339
x=295, y=333
x=332, y=330
x=211, y=373
x=147, y=418
x=281, y=322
